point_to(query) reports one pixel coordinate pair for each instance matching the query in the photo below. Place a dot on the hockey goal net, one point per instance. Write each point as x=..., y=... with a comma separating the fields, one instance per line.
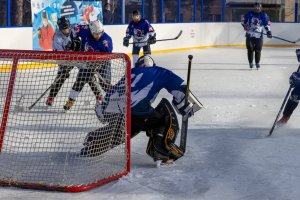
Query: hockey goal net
x=40, y=145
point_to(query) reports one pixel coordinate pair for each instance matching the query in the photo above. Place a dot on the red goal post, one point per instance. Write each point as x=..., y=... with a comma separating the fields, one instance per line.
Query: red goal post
x=40, y=147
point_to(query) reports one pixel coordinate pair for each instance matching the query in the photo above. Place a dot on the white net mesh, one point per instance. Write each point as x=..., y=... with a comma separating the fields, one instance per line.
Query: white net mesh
x=47, y=146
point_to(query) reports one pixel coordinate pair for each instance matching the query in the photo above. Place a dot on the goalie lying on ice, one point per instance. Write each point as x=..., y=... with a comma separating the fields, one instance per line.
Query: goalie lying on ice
x=159, y=123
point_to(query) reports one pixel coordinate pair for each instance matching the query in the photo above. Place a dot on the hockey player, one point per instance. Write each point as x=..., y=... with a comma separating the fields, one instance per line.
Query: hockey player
x=143, y=35
x=253, y=23
x=159, y=123
x=64, y=40
x=94, y=39
x=293, y=101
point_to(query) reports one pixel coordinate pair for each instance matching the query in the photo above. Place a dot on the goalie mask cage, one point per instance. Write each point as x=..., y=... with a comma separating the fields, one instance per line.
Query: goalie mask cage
x=40, y=147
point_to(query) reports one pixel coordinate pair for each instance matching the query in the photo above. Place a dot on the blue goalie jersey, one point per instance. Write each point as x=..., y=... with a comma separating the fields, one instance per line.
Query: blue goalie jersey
x=146, y=83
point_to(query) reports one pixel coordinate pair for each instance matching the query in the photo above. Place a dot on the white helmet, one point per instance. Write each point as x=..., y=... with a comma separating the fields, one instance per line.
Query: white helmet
x=145, y=61
x=96, y=27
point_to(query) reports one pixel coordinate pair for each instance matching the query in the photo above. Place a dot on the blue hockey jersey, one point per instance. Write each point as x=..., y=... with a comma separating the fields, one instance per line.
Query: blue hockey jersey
x=146, y=83
x=140, y=32
x=104, y=44
x=254, y=23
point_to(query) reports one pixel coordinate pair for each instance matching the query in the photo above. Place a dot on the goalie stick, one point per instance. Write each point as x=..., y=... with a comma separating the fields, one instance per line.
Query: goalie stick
x=161, y=40
x=185, y=119
x=285, y=98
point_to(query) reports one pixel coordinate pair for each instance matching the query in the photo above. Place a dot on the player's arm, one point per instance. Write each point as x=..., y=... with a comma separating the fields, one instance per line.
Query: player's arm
x=57, y=44
x=151, y=32
x=178, y=90
x=245, y=22
x=266, y=23
x=108, y=45
x=129, y=33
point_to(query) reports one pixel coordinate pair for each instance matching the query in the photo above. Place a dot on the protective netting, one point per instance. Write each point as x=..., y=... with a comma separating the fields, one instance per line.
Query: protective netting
x=41, y=145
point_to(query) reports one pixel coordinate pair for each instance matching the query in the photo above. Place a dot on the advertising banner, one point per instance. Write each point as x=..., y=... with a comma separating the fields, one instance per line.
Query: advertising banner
x=46, y=12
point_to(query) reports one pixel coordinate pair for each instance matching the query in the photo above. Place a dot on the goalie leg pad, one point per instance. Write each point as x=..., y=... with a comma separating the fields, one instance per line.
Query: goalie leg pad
x=103, y=139
x=161, y=144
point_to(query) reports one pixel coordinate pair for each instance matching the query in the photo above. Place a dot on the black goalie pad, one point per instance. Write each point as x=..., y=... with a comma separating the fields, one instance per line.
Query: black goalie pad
x=161, y=144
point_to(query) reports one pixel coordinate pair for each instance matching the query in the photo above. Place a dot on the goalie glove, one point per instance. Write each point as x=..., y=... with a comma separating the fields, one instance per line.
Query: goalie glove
x=295, y=79
x=192, y=106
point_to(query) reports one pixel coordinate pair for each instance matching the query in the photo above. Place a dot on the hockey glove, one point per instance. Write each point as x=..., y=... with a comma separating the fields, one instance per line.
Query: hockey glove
x=126, y=41
x=295, y=79
x=152, y=39
x=68, y=47
x=246, y=27
x=269, y=34
x=183, y=108
x=76, y=44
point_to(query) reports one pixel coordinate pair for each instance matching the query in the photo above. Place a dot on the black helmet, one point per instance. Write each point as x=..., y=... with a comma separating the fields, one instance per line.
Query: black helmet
x=136, y=12
x=63, y=23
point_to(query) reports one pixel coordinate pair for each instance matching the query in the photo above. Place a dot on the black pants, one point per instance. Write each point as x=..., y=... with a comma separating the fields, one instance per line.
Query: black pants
x=254, y=45
x=87, y=75
x=146, y=49
x=62, y=74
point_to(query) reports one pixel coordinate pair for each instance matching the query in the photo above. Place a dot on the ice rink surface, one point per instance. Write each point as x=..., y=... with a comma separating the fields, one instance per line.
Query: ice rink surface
x=228, y=156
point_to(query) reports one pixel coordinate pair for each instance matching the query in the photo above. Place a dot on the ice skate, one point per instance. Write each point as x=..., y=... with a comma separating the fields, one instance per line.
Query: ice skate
x=69, y=104
x=50, y=101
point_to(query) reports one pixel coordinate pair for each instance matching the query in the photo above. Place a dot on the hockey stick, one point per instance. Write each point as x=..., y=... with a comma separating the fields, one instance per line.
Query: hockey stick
x=285, y=98
x=279, y=38
x=161, y=40
x=44, y=93
x=280, y=110
x=185, y=119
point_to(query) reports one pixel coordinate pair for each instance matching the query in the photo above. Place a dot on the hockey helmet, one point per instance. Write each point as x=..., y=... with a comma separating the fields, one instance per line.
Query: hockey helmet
x=63, y=23
x=96, y=27
x=136, y=12
x=257, y=7
x=145, y=61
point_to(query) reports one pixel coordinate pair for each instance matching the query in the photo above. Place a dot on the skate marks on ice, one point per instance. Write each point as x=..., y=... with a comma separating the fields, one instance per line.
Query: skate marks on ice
x=220, y=163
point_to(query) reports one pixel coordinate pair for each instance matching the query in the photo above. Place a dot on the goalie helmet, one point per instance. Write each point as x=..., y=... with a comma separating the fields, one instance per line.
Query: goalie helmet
x=145, y=61
x=63, y=23
x=96, y=27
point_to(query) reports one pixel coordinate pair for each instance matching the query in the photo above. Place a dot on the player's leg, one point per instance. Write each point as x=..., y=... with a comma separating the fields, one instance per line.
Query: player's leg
x=290, y=106
x=250, y=49
x=147, y=49
x=257, y=50
x=161, y=144
x=83, y=77
x=103, y=74
x=135, y=54
x=62, y=74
